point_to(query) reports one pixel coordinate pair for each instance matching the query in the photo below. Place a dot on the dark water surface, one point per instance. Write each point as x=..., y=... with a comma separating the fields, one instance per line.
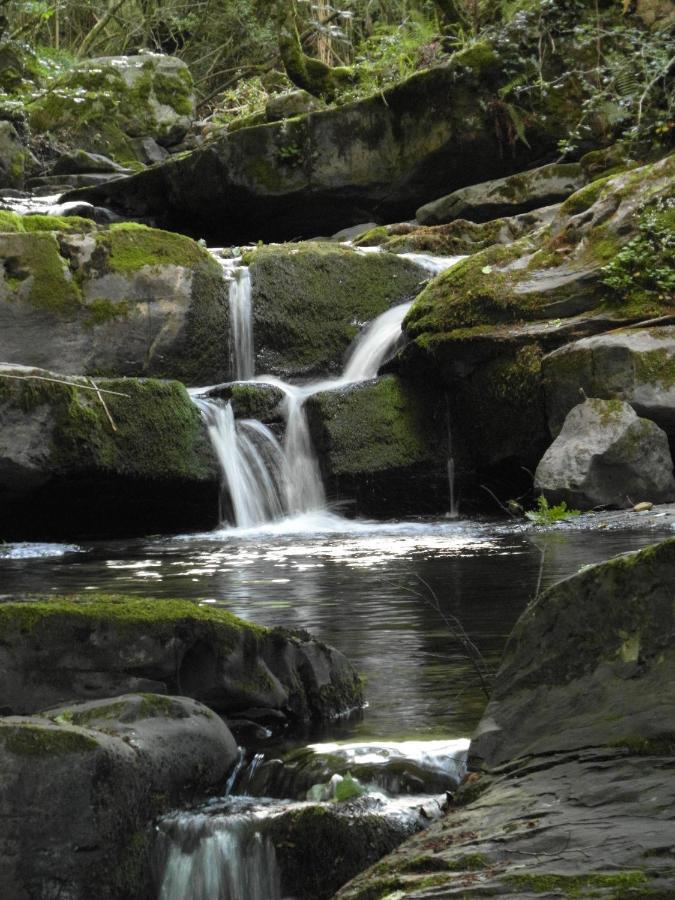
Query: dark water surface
x=368, y=589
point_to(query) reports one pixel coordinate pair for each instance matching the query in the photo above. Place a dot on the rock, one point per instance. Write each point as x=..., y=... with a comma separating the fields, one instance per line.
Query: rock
x=606, y=456
x=59, y=184
x=291, y=104
x=573, y=791
x=127, y=300
x=319, y=847
x=655, y=13
x=635, y=365
x=111, y=105
x=91, y=646
x=310, y=301
x=82, y=783
x=353, y=232
x=381, y=444
x=13, y=157
x=505, y=196
x=481, y=329
x=153, y=471
x=645, y=506
x=78, y=162
x=379, y=158
x=250, y=400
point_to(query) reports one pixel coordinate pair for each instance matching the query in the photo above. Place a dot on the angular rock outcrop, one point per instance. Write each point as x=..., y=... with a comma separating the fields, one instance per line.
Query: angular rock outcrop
x=81, y=784
x=635, y=365
x=508, y=196
x=103, y=456
x=86, y=647
x=382, y=445
x=576, y=753
x=127, y=300
x=310, y=301
x=111, y=104
x=606, y=456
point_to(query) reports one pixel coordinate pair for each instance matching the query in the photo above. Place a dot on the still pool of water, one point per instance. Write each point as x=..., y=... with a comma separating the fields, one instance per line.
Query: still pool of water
x=383, y=593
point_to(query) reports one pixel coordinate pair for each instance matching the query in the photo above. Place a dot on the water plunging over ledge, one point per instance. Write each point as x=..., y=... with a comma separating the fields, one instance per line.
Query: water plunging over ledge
x=266, y=479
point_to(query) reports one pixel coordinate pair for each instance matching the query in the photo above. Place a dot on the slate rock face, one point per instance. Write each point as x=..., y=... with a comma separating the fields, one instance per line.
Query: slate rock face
x=606, y=456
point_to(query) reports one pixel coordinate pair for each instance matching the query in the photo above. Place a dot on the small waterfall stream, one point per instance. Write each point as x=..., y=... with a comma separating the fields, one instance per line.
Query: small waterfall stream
x=267, y=480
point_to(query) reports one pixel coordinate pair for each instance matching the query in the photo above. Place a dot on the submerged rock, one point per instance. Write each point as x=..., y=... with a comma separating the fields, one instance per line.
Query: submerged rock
x=606, y=456
x=125, y=300
x=636, y=365
x=135, y=458
x=381, y=444
x=82, y=783
x=576, y=750
x=508, y=196
x=125, y=644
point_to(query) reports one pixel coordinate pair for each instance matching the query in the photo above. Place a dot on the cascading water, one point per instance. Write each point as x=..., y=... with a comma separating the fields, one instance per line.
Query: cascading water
x=216, y=857
x=267, y=480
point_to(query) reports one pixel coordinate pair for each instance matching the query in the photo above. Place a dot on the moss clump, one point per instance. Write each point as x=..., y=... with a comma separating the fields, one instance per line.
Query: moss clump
x=41, y=741
x=10, y=222
x=100, y=311
x=583, y=199
x=37, y=273
x=74, y=224
x=121, y=613
x=573, y=886
x=655, y=367
x=130, y=247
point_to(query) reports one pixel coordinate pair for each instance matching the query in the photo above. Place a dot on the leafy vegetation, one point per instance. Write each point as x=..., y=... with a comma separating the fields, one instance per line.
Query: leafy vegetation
x=545, y=514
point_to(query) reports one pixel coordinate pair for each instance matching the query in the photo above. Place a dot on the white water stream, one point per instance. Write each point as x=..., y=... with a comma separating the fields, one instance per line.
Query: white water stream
x=266, y=479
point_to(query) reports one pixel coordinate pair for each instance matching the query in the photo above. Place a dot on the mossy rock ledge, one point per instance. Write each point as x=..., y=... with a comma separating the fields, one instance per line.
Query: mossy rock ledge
x=572, y=790
x=165, y=646
x=82, y=783
x=124, y=300
x=310, y=301
x=482, y=328
x=381, y=446
x=134, y=459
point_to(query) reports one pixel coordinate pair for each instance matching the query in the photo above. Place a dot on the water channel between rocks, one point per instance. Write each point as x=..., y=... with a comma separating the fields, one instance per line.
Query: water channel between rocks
x=383, y=593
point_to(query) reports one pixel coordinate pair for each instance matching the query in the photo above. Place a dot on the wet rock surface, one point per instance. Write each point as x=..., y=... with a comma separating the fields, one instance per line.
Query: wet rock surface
x=80, y=785
x=91, y=647
x=575, y=754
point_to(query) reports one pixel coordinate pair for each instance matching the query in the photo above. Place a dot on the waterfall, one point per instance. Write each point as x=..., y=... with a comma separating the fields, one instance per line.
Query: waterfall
x=203, y=857
x=267, y=480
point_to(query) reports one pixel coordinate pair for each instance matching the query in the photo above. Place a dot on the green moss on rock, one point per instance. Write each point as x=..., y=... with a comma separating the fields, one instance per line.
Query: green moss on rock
x=42, y=741
x=130, y=247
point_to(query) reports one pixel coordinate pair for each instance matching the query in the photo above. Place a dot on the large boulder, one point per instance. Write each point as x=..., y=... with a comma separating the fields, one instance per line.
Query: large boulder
x=111, y=104
x=483, y=327
x=635, y=365
x=606, y=456
x=505, y=196
x=81, y=784
x=310, y=301
x=574, y=791
x=382, y=445
x=127, y=300
x=379, y=158
x=93, y=646
x=103, y=456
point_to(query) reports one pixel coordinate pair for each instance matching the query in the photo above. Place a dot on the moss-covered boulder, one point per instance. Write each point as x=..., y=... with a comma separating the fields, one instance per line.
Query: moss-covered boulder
x=484, y=326
x=13, y=157
x=383, y=445
x=605, y=455
x=81, y=785
x=126, y=300
x=379, y=158
x=110, y=104
x=311, y=300
x=127, y=644
x=505, y=196
x=575, y=791
x=636, y=365
x=250, y=400
x=104, y=456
